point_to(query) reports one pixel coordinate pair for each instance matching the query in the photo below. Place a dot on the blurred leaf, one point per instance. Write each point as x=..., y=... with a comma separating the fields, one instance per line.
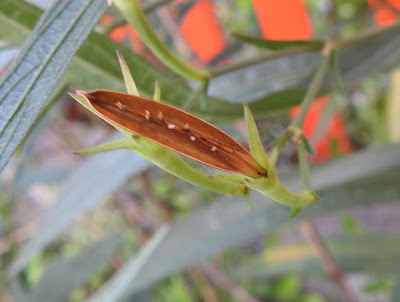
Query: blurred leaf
x=17, y=18
x=396, y=287
x=361, y=179
x=64, y=275
x=26, y=86
x=365, y=253
x=257, y=81
x=376, y=50
x=42, y=174
x=280, y=44
x=116, y=287
x=19, y=294
x=83, y=189
x=26, y=175
x=370, y=52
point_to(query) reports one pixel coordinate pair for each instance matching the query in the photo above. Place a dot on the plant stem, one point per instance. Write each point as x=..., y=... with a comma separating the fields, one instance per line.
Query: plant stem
x=304, y=167
x=295, y=127
x=132, y=12
x=312, y=91
x=202, y=89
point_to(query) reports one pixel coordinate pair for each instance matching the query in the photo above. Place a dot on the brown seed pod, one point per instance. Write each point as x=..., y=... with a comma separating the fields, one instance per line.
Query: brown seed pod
x=175, y=129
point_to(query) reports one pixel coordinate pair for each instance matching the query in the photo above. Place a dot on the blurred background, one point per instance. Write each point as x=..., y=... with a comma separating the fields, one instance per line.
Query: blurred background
x=113, y=227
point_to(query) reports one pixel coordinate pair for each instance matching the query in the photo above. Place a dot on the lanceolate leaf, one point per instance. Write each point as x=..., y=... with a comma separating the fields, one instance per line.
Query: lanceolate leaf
x=27, y=85
x=176, y=130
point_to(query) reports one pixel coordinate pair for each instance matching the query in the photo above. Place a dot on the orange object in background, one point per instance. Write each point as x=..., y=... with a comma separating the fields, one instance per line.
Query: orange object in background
x=120, y=33
x=386, y=12
x=201, y=30
x=289, y=20
x=283, y=19
x=335, y=133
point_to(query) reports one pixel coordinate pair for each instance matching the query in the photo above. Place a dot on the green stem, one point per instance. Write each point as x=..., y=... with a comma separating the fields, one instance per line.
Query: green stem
x=282, y=140
x=202, y=89
x=312, y=91
x=304, y=167
x=295, y=127
x=133, y=13
x=274, y=189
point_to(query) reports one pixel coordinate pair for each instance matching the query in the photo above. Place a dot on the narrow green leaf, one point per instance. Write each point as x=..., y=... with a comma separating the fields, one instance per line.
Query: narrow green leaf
x=280, y=44
x=109, y=146
x=256, y=146
x=27, y=85
x=128, y=79
x=396, y=288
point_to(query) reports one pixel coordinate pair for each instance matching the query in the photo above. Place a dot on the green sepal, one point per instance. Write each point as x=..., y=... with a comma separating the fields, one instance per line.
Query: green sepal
x=109, y=146
x=130, y=84
x=256, y=147
x=157, y=92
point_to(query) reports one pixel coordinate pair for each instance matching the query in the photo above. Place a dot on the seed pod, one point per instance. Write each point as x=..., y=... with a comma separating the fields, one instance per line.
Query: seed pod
x=175, y=129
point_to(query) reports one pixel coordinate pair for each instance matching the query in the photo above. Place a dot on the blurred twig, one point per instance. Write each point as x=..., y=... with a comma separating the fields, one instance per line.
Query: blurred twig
x=207, y=292
x=329, y=264
x=219, y=278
